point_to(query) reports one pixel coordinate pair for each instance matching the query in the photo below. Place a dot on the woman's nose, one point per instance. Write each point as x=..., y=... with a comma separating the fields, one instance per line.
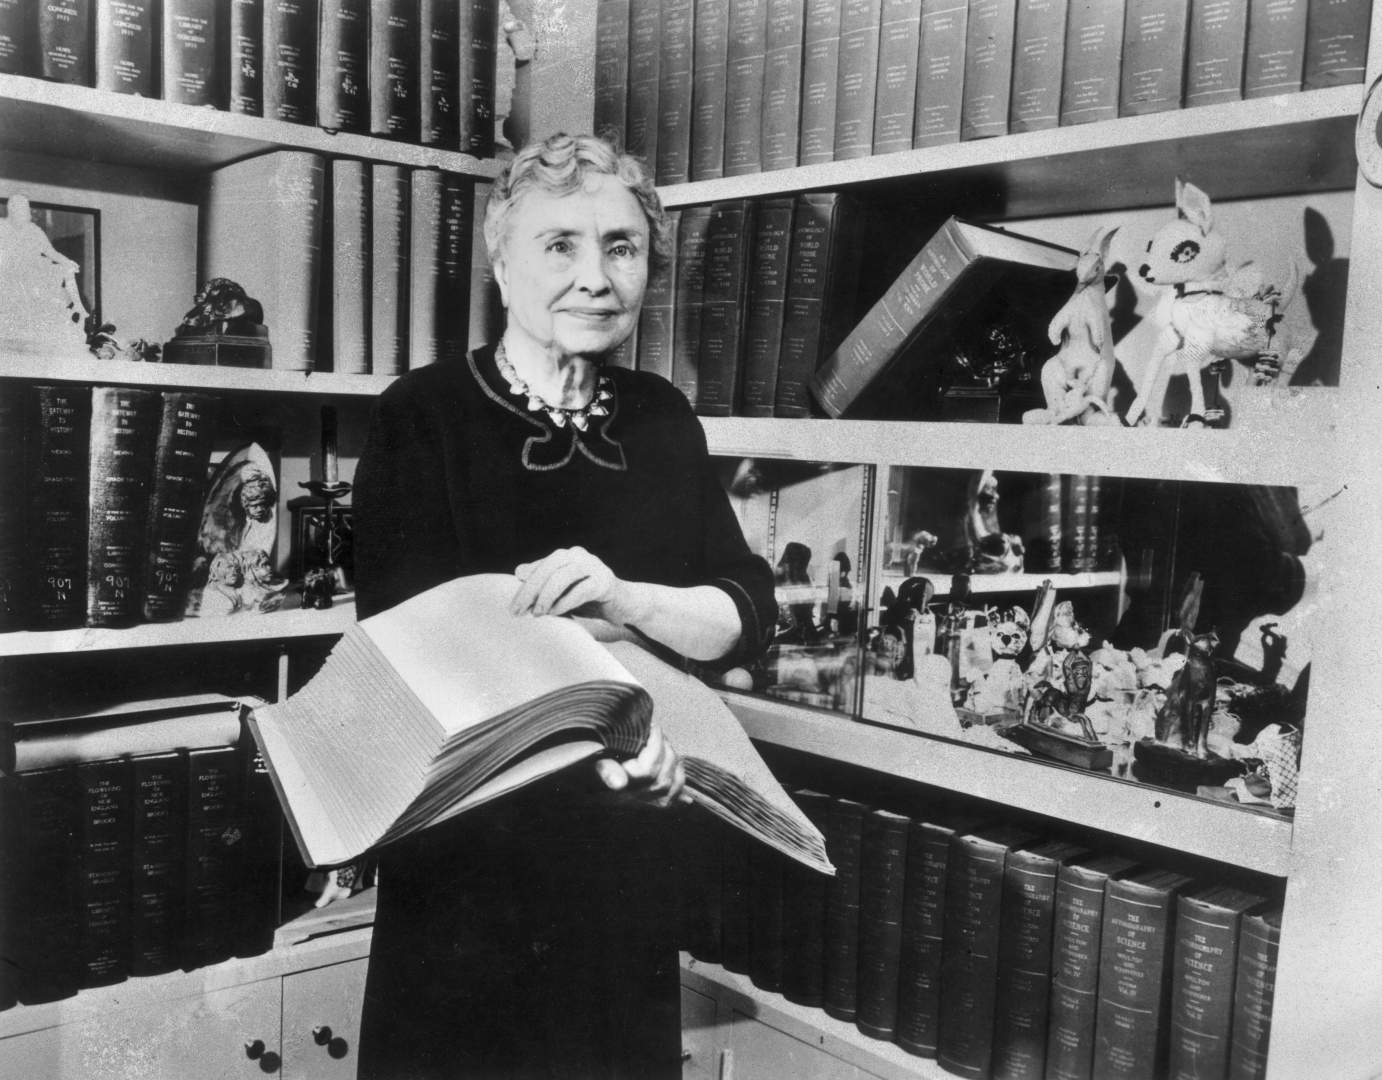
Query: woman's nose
x=591, y=275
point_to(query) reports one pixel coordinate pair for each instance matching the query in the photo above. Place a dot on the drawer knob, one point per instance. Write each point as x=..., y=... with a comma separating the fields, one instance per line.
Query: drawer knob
x=321, y=1034
x=254, y=1049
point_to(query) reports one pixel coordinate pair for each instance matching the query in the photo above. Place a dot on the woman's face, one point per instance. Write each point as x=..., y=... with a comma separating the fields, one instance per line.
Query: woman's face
x=572, y=268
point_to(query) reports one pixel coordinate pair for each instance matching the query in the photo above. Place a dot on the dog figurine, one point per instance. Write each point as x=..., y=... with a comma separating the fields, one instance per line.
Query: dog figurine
x=1002, y=685
x=1183, y=721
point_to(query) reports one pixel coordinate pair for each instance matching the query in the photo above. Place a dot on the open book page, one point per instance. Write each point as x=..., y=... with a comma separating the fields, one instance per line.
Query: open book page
x=447, y=644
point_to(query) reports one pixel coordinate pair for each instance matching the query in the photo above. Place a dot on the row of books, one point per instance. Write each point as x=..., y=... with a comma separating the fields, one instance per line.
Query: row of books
x=999, y=952
x=416, y=70
x=711, y=88
x=134, y=864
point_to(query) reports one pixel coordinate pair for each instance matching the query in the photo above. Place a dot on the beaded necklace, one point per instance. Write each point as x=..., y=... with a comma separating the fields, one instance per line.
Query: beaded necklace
x=580, y=418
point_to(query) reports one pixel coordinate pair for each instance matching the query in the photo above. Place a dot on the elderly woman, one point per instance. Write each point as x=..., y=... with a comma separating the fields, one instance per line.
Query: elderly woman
x=532, y=938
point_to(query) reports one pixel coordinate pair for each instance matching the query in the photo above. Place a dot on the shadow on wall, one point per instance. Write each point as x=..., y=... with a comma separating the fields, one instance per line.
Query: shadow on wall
x=1325, y=290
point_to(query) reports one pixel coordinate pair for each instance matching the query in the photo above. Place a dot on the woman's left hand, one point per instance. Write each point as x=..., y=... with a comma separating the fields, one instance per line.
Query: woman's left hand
x=569, y=581
x=656, y=775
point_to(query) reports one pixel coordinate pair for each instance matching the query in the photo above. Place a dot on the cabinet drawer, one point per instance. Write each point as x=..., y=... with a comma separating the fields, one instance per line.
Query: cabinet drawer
x=321, y=1021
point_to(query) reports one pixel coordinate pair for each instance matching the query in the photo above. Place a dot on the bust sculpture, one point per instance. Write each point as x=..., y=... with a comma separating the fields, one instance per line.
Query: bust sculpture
x=224, y=326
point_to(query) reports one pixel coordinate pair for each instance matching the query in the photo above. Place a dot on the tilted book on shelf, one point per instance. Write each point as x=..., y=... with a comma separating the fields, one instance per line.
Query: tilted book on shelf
x=482, y=702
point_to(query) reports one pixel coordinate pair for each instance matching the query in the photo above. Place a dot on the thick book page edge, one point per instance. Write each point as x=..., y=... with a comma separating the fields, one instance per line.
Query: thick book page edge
x=318, y=843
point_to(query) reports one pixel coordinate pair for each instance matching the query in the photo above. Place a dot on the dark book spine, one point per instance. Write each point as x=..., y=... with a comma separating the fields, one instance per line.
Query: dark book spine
x=882, y=876
x=1214, y=56
x=290, y=60
x=708, y=85
x=103, y=884
x=1038, y=62
x=736, y=919
x=124, y=437
x=625, y=354
x=988, y=68
x=247, y=57
x=856, y=82
x=782, y=70
x=1095, y=533
x=645, y=65
x=1154, y=39
x=479, y=69
x=803, y=917
x=181, y=457
x=700, y=902
x=940, y=72
x=193, y=38
x=1254, y=989
x=1275, y=53
x=389, y=269
x=692, y=235
x=453, y=282
x=766, y=896
x=393, y=69
x=656, y=322
x=438, y=74
x=1336, y=43
x=159, y=836
x=899, y=42
x=723, y=310
x=58, y=456
x=767, y=298
x=343, y=65
x=14, y=561
x=262, y=861
x=844, y=842
x=125, y=47
x=44, y=919
x=612, y=70
x=675, y=79
x=215, y=835
x=1093, y=62
x=14, y=37
x=64, y=41
x=820, y=71
x=1076, y=553
x=349, y=266
x=1202, y=975
x=744, y=72
x=923, y=927
x=425, y=244
x=1042, y=531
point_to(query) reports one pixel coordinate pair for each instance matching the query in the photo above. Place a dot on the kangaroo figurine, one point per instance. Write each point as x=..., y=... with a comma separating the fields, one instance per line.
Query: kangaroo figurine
x=1184, y=720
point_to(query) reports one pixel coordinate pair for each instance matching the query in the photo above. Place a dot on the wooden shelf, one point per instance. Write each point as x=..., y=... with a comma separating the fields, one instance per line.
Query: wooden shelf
x=980, y=584
x=1235, y=835
x=1242, y=149
x=95, y=125
x=277, y=626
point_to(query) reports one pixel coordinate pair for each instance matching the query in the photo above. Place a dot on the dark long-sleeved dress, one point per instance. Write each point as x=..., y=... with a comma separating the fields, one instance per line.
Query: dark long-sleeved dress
x=532, y=937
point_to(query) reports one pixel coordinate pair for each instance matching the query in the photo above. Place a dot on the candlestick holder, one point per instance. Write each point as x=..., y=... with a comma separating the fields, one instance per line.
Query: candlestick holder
x=325, y=582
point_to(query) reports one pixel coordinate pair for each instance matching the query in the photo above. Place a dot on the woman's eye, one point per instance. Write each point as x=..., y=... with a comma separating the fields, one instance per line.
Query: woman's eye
x=560, y=247
x=621, y=251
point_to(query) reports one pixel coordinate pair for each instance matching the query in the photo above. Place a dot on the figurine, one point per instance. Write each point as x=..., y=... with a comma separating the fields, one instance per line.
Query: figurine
x=903, y=625
x=104, y=345
x=239, y=526
x=318, y=588
x=1078, y=380
x=796, y=620
x=40, y=307
x=224, y=326
x=991, y=551
x=1209, y=314
x=1184, y=719
x=1001, y=689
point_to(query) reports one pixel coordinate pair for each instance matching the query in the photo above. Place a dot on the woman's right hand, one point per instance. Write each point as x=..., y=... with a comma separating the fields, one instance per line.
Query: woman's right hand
x=656, y=775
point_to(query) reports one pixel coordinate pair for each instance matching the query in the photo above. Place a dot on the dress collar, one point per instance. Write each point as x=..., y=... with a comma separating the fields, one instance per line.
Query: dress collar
x=551, y=447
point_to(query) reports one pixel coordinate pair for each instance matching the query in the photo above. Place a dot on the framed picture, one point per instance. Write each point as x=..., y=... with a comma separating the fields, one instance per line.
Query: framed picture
x=75, y=232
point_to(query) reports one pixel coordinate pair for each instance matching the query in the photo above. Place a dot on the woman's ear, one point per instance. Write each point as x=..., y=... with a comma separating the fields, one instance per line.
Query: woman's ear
x=501, y=278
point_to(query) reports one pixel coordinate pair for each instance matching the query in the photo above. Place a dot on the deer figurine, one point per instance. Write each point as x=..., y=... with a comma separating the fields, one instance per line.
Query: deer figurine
x=1183, y=721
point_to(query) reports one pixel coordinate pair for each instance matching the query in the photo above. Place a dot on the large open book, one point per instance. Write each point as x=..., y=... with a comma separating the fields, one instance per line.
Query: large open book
x=447, y=701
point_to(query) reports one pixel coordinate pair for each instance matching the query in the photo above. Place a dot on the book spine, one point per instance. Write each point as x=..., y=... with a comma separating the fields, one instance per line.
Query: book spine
x=389, y=269
x=1042, y=533
x=899, y=42
x=343, y=65
x=1275, y=52
x=803, y=917
x=424, y=265
x=1038, y=62
x=215, y=834
x=13, y=530
x=1079, y=907
x=856, y=85
x=1214, y=57
x=656, y=322
x=767, y=300
x=393, y=69
x=882, y=875
x=125, y=47
x=1154, y=41
x=820, y=69
x=299, y=191
x=1336, y=43
x=699, y=900
x=1254, y=988
x=708, y=86
x=181, y=458
x=453, y=282
x=246, y=93
x=722, y=313
x=1202, y=977
x=871, y=347
x=14, y=37
x=969, y=955
x=612, y=70
x=124, y=436
x=479, y=70
x=844, y=843
x=625, y=354
x=1096, y=536
x=1076, y=552
x=988, y=68
x=159, y=835
x=44, y=919
x=59, y=441
x=486, y=313
x=104, y=878
x=645, y=65
x=782, y=83
x=1093, y=62
x=64, y=41
x=675, y=80
x=192, y=42
x=923, y=928
x=262, y=858
x=692, y=237
x=1023, y=989
x=940, y=72
x=766, y=897
x=736, y=919
x=438, y=74
x=350, y=284
x=290, y=60
x=744, y=104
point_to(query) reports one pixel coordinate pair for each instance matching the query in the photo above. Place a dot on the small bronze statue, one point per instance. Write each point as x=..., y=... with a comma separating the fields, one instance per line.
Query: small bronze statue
x=225, y=326
x=990, y=549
